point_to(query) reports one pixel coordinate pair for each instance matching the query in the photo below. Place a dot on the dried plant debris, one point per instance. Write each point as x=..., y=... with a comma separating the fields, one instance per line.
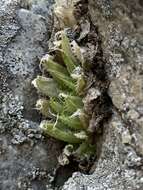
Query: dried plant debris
x=73, y=96
x=64, y=11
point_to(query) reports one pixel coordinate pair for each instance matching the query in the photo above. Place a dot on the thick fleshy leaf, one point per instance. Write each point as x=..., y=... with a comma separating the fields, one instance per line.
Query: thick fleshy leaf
x=47, y=86
x=64, y=81
x=56, y=106
x=68, y=62
x=49, y=64
x=72, y=104
x=59, y=73
x=71, y=122
x=85, y=149
x=58, y=133
x=68, y=57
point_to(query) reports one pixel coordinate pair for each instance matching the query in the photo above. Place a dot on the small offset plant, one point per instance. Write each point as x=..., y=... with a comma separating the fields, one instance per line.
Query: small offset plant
x=62, y=105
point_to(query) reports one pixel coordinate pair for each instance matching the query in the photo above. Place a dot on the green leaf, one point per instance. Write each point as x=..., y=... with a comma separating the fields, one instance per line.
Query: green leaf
x=67, y=55
x=85, y=149
x=56, y=106
x=68, y=62
x=59, y=73
x=60, y=134
x=68, y=52
x=72, y=104
x=63, y=80
x=47, y=86
x=71, y=122
x=48, y=63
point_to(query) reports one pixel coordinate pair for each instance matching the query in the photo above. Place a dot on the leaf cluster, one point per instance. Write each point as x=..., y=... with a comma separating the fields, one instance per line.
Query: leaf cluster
x=63, y=106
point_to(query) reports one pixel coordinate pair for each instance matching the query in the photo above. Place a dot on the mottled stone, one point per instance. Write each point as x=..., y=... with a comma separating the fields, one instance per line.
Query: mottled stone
x=115, y=167
x=120, y=25
x=27, y=158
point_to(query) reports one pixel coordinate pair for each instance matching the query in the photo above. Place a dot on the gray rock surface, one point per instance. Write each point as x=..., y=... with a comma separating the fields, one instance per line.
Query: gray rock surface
x=120, y=163
x=26, y=157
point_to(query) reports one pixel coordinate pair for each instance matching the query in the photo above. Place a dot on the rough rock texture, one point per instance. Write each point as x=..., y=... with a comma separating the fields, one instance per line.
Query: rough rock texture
x=26, y=157
x=120, y=163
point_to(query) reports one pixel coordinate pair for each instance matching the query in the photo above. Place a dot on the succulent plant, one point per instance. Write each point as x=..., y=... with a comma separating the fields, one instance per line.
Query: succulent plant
x=63, y=106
